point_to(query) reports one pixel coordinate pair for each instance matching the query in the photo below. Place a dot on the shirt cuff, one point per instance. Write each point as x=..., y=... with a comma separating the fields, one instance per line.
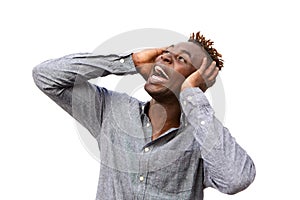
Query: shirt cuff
x=124, y=63
x=195, y=105
x=115, y=64
x=194, y=97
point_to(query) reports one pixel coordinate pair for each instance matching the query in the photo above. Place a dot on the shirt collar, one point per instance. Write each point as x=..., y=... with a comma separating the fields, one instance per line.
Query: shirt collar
x=183, y=122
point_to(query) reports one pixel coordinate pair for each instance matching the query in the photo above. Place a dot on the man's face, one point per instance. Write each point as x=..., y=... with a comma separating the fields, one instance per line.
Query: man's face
x=172, y=68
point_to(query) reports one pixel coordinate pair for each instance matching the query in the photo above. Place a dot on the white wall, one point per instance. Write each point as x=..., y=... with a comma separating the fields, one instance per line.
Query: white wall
x=40, y=153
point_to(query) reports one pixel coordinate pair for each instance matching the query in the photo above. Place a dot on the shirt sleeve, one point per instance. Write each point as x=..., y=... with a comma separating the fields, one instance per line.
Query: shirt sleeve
x=226, y=165
x=65, y=81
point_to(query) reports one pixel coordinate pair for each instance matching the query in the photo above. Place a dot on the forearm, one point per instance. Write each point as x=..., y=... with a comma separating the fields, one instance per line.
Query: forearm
x=53, y=76
x=227, y=167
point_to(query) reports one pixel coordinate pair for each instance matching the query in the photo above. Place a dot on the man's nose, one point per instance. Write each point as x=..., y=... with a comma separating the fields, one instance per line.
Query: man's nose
x=166, y=58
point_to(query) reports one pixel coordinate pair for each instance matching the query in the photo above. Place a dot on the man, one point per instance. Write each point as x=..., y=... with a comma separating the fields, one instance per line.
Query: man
x=169, y=148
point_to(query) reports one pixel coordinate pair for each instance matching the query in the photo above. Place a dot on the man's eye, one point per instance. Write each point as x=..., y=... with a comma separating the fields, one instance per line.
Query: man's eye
x=166, y=52
x=181, y=59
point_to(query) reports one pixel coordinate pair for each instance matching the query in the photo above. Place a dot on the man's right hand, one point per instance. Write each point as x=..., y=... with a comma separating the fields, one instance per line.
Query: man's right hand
x=143, y=60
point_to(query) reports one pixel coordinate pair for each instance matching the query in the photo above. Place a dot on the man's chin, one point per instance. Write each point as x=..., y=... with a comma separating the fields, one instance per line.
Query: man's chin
x=158, y=91
x=155, y=88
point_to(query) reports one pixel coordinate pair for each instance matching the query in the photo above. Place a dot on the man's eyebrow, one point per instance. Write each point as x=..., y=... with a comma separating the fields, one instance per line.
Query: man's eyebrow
x=186, y=52
x=183, y=51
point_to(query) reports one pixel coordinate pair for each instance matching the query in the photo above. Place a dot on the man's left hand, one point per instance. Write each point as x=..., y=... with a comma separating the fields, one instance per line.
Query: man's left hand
x=204, y=77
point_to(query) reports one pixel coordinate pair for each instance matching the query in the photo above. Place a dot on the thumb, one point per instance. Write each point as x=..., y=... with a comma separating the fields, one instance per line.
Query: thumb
x=160, y=50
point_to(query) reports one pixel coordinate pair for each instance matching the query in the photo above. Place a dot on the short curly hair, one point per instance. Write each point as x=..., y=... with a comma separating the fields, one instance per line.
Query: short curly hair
x=207, y=45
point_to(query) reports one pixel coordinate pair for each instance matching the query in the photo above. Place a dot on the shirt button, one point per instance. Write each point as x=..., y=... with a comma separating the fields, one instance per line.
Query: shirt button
x=146, y=149
x=184, y=102
x=189, y=98
x=122, y=60
x=141, y=178
x=148, y=124
x=202, y=122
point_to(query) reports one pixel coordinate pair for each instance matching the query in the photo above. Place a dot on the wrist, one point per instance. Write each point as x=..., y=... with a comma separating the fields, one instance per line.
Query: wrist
x=135, y=59
x=186, y=86
x=203, y=87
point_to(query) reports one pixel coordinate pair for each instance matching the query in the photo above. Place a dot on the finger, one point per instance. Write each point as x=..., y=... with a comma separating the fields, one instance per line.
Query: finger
x=161, y=50
x=203, y=66
x=154, y=53
x=210, y=70
x=212, y=82
x=214, y=74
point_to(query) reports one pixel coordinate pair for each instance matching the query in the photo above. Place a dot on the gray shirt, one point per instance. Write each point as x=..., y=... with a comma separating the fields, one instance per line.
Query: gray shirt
x=178, y=165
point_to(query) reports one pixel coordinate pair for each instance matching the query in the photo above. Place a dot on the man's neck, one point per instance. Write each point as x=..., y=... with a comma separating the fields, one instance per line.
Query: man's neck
x=163, y=116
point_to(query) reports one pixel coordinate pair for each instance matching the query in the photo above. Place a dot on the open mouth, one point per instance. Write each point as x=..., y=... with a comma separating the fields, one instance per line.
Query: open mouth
x=159, y=76
x=158, y=71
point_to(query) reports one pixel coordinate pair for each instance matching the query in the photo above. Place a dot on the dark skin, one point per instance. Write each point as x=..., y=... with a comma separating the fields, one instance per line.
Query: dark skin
x=169, y=71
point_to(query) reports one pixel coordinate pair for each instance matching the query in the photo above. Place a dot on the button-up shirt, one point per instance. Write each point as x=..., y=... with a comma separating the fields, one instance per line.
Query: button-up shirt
x=179, y=164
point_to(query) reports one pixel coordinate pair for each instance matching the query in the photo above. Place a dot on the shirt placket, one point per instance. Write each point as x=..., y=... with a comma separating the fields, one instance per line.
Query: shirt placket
x=144, y=170
x=144, y=159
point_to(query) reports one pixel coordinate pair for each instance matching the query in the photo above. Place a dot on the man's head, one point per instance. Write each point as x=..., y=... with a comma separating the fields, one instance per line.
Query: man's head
x=206, y=46
x=176, y=63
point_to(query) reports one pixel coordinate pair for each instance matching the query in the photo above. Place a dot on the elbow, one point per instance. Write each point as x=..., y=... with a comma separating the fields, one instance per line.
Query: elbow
x=240, y=182
x=36, y=76
x=40, y=78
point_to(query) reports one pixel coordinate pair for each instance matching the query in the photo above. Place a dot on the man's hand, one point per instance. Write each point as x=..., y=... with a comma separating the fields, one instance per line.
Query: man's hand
x=144, y=60
x=203, y=78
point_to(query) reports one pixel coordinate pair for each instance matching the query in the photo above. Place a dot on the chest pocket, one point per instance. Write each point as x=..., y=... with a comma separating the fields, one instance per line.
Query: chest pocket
x=173, y=175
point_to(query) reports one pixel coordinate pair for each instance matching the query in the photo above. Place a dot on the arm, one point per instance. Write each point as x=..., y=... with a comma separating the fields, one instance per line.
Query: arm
x=227, y=167
x=65, y=81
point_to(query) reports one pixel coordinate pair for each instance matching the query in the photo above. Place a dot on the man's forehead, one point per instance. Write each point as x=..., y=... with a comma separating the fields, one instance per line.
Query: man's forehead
x=194, y=51
x=187, y=46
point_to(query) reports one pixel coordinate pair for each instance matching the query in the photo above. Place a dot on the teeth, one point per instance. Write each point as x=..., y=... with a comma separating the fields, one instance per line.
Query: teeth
x=159, y=69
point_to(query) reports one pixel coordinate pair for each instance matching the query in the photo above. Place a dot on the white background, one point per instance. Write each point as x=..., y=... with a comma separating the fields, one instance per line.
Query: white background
x=40, y=152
